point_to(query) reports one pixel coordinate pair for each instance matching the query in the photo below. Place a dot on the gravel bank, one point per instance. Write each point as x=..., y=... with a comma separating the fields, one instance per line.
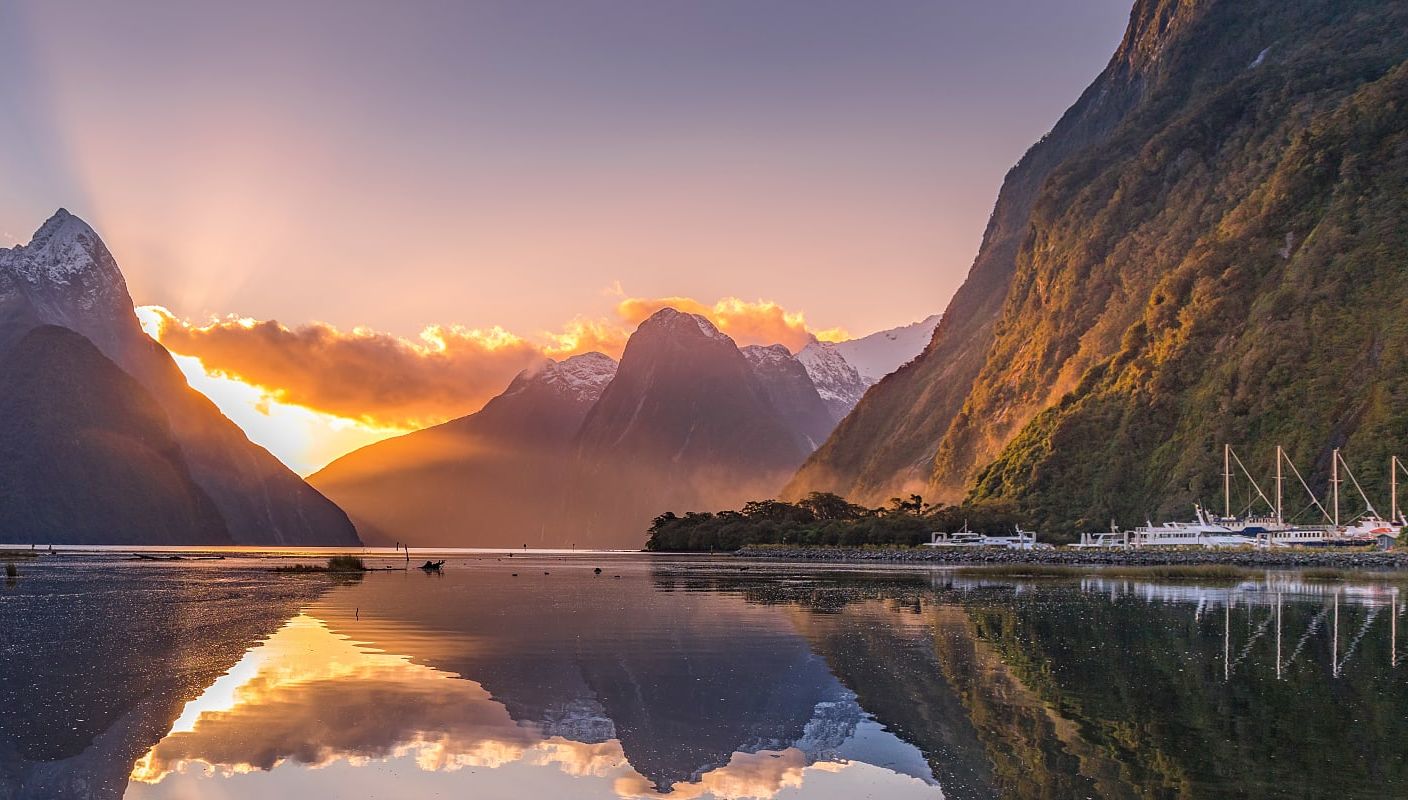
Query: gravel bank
x=1337, y=559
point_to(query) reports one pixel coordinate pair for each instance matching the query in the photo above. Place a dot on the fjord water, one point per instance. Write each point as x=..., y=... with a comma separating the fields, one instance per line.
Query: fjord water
x=535, y=676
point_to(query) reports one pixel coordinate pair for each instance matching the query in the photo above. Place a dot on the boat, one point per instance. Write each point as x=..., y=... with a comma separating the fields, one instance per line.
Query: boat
x=1269, y=528
x=1018, y=540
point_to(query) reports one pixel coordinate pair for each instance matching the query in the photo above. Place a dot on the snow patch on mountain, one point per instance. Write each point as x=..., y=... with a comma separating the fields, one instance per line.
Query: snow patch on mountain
x=582, y=376
x=838, y=383
x=766, y=355
x=879, y=354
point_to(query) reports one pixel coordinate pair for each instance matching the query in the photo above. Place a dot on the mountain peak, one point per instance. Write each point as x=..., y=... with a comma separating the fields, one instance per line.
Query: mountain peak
x=675, y=321
x=63, y=248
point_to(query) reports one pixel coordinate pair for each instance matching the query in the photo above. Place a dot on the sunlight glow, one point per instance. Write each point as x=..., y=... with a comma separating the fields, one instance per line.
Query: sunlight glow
x=304, y=439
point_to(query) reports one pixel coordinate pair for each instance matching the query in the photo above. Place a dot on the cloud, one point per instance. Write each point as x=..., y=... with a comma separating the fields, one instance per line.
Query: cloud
x=390, y=382
x=361, y=374
x=756, y=322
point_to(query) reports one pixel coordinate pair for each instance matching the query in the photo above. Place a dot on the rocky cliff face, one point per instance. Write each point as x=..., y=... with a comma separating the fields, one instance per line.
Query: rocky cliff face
x=1188, y=258
x=66, y=277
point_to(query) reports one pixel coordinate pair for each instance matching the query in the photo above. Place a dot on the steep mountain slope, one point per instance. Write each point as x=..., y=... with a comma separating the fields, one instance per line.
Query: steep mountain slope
x=684, y=425
x=493, y=478
x=1204, y=255
x=87, y=455
x=790, y=391
x=887, y=444
x=66, y=277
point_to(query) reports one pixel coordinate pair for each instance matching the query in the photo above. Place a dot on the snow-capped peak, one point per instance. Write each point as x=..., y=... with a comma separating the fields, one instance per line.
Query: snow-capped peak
x=582, y=376
x=591, y=371
x=758, y=354
x=840, y=385
x=879, y=354
x=69, y=278
x=63, y=247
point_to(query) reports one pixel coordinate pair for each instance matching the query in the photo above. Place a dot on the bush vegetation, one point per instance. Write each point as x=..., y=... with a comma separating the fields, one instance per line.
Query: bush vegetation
x=823, y=518
x=335, y=564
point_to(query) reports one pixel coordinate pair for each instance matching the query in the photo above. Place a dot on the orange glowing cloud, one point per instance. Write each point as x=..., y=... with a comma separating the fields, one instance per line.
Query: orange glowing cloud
x=383, y=382
x=758, y=322
x=368, y=376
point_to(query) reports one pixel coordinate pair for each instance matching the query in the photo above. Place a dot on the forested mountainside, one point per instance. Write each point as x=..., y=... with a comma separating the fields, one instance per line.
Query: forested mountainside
x=1208, y=248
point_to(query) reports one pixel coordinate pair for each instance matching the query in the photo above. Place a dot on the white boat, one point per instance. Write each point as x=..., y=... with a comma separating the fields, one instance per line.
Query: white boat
x=1019, y=540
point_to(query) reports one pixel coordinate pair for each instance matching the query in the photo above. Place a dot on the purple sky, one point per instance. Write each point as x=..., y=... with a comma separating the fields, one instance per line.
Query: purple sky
x=399, y=164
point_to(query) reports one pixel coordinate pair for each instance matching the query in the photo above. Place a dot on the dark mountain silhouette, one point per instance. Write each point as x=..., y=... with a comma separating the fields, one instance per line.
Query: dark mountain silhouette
x=493, y=478
x=66, y=277
x=86, y=454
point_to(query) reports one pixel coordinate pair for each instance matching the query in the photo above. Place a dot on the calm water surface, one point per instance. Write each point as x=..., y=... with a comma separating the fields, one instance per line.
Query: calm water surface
x=533, y=676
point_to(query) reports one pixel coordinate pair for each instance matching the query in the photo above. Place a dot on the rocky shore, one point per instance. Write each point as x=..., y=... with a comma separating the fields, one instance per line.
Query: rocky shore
x=1288, y=558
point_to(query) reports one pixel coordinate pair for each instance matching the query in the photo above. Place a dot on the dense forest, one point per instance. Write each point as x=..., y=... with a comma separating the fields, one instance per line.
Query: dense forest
x=823, y=518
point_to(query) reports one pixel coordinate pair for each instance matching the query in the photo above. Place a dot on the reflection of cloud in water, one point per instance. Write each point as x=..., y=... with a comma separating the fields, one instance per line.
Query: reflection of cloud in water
x=313, y=698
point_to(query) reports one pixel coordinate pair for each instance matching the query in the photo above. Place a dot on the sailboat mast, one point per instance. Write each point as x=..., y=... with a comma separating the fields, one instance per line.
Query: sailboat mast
x=1335, y=484
x=1279, y=517
x=1227, y=480
x=1393, y=489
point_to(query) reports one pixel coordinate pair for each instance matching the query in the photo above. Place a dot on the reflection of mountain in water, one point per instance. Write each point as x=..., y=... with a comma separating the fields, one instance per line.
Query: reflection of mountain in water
x=683, y=681
x=97, y=663
x=690, y=696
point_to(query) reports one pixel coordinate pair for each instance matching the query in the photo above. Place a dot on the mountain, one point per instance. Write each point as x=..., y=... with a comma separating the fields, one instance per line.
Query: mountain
x=87, y=455
x=837, y=382
x=685, y=425
x=1203, y=250
x=585, y=452
x=843, y=371
x=493, y=478
x=66, y=277
x=791, y=393
x=883, y=352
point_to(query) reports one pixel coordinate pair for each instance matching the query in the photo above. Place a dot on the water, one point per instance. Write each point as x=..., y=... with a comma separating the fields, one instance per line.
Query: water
x=689, y=678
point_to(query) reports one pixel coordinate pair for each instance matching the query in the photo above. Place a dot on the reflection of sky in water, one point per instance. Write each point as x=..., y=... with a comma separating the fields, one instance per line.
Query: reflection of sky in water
x=310, y=713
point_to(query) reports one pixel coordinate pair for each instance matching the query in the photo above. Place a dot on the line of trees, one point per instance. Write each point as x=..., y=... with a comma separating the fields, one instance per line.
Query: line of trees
x=825, y=519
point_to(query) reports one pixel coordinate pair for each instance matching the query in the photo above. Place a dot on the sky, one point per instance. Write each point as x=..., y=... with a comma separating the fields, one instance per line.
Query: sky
x=524, y=168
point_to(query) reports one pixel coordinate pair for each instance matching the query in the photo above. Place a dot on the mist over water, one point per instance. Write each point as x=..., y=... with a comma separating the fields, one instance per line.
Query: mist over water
x=534, y=675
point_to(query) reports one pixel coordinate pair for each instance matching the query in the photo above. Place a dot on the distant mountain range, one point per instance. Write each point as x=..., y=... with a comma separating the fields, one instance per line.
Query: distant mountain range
x=586, y=452
x=101, y=438
x=1208, y=247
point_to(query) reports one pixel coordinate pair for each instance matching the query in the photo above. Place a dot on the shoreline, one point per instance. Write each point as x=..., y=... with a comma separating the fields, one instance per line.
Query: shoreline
x=1368, y=560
